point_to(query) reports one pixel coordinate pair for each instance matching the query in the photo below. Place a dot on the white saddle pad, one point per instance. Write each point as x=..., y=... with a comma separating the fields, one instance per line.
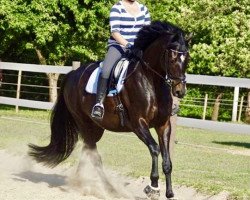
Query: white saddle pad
x=91, y=86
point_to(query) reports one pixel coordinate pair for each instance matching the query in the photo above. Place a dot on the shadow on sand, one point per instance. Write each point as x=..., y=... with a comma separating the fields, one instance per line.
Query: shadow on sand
x=53, y=180
x=238, y=144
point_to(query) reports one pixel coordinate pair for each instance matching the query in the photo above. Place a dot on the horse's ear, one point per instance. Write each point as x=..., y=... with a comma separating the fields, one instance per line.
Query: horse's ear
x=189, y=38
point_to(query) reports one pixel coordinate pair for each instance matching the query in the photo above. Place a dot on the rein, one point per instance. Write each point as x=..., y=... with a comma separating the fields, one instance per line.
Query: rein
x=168, y=80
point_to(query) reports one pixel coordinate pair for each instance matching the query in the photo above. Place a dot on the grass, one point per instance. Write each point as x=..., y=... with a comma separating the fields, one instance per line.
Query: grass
x=28, y=113
x=210, y=162
x=210, y=168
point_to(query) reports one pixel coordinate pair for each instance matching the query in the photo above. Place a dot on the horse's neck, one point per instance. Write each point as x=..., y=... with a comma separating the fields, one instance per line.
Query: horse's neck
x=152, y=56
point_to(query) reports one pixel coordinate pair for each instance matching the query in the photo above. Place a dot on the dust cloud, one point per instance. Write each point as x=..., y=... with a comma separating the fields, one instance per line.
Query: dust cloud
x=90, y=179
x=14, y=163
x=23, y=179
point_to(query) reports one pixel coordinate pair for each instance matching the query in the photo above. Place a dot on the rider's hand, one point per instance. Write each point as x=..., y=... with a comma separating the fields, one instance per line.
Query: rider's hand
x=128, y=49
x=128, y=46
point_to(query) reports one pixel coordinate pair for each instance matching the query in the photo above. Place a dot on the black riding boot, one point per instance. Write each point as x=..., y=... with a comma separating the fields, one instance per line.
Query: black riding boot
x=98, y=109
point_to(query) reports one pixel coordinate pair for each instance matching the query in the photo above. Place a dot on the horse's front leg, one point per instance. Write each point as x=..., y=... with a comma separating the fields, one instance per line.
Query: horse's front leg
x=164, y=133
x=152, y=191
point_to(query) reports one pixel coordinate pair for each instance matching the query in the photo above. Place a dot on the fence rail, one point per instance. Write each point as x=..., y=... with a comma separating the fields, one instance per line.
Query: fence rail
x=26, y=103
x=35, y=68
x=235, y=83
x=218, y=81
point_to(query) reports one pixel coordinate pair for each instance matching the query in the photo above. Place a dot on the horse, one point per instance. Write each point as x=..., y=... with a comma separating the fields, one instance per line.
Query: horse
x=157, y=75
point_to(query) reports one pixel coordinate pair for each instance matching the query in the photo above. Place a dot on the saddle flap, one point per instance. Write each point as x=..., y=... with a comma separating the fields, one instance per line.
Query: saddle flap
x=120, y=72
x=119, y=67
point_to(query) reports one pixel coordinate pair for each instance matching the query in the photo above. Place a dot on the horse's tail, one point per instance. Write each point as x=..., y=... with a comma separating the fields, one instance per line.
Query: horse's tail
x=63, y=135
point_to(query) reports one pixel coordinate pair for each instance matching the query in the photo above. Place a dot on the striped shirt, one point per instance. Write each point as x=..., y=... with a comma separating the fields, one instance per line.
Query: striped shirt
x=126, y=24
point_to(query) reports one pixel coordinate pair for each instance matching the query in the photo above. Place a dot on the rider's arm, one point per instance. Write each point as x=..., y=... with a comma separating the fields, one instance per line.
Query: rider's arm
x=118, y=37
x=147, y=16
x=115, y=22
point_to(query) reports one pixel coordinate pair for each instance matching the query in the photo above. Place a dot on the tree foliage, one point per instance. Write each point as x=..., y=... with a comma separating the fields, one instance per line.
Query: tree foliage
x=53, y=31
x=66, y=30
x=60, y=31
x=221, y=45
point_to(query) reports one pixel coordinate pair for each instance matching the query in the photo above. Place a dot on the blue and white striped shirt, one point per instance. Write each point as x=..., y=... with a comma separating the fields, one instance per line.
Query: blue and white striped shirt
x=126, y=24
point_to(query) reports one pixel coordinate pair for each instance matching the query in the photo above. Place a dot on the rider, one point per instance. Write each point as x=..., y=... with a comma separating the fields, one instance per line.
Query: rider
x=126, y=18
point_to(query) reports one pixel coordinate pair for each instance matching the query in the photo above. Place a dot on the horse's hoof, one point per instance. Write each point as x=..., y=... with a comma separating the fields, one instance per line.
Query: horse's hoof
x=152, y=193
x=170, y=195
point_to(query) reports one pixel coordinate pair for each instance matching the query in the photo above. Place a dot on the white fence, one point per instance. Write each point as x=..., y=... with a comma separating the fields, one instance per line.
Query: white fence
x=236, y=83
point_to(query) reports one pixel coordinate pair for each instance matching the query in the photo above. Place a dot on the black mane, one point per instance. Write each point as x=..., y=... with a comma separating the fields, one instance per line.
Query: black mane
x=150, y=33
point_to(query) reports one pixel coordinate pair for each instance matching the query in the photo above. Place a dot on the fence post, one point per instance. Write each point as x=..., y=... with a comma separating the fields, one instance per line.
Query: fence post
x=18, y=87
x=205, y=107
x=235, y=104
x=241, y=105
x=76, y=64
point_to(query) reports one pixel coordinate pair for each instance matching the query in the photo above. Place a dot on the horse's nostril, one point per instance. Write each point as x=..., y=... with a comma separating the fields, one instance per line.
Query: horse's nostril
x=179, y=94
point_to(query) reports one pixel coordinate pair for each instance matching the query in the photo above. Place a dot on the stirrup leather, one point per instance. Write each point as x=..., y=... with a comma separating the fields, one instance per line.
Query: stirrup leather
x=97, y=111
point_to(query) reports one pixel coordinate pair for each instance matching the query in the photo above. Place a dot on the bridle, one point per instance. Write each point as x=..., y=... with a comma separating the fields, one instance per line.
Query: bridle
x=168, y=79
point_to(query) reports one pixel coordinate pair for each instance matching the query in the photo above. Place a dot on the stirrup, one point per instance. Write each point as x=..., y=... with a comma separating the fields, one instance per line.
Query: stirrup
x=97, y=111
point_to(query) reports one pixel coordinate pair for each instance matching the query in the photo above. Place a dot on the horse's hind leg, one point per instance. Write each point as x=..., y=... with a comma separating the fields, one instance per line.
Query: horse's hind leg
x=98, y=179
x=91, y=159
x=91, y=134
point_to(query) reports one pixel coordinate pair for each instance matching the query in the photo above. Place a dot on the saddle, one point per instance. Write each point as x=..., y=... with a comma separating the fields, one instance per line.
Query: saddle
x=116, y=80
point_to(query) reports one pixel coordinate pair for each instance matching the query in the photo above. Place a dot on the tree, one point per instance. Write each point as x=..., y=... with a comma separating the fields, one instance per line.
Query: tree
x=216, y=107
x=221, y=42
x=57, y=31
x=222, y=33
x=247, y=113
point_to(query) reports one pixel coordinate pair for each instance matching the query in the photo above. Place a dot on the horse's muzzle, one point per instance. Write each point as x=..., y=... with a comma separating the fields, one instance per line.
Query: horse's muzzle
x=179, y=90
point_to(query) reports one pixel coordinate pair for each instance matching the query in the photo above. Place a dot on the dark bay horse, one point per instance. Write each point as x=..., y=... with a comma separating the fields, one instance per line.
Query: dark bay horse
x=146, y=96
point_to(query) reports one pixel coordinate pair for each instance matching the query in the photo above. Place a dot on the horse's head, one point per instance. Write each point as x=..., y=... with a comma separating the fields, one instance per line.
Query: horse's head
x=166, y=53
x=174, y=63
